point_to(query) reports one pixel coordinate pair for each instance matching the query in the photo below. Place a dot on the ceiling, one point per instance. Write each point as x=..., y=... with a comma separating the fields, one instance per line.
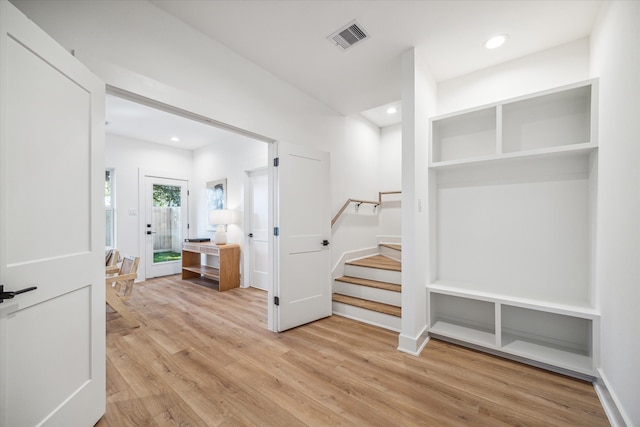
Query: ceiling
x=289, y=39
x=133, y=120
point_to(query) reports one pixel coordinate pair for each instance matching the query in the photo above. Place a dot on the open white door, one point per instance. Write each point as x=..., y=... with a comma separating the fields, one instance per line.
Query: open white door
x=303, y=218
x=52, y=339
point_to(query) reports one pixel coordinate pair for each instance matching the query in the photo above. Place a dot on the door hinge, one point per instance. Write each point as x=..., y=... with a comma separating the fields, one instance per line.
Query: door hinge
x=188, y=226
x=276, y=231
x=188, y=194
x=276, y=161
x=276, y=300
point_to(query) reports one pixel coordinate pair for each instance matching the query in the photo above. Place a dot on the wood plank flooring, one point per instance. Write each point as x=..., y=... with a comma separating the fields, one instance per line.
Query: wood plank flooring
x=204, y=358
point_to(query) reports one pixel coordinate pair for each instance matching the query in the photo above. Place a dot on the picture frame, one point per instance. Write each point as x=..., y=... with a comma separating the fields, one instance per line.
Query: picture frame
x=216, y=197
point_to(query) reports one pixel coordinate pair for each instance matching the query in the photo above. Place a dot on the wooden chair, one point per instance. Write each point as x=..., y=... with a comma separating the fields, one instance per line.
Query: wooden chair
x=118, y=288
x=122, y=280
x=111, y=262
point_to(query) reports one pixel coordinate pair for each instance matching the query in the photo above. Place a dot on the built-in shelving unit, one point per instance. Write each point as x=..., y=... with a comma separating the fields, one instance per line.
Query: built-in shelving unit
x=513, y=197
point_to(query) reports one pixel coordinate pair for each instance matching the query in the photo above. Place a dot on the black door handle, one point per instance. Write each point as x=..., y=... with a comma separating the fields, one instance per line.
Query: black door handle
x=10, y=294
x=250, y=234
x=325, y=243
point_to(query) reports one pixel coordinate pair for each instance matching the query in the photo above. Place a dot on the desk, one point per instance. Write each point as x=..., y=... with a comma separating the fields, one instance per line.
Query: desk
x=223, y=263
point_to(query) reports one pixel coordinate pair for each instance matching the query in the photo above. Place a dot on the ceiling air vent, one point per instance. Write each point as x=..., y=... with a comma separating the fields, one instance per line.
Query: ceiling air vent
x=349, y=35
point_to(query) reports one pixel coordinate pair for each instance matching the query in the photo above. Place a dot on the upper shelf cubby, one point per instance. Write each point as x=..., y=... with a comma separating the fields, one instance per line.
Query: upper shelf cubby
x=558, y=120
x=465, y=136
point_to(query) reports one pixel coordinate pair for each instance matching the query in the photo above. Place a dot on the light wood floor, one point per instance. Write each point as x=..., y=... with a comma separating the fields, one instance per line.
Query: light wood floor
x=203, y=358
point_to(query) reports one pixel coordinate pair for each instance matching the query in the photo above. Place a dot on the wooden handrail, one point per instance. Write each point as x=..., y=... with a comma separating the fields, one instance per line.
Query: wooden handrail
x=359, y=201
x=383, y=193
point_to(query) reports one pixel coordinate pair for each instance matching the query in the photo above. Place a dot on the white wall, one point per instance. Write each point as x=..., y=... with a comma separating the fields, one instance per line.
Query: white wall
x=135, y=46
x=390, y=173
x=228, y=159
x=222, y=159
x=554, y=67
x=615, y=59
x=419, y=94
x=355, y=175
x=145, y=41
x=127, y=156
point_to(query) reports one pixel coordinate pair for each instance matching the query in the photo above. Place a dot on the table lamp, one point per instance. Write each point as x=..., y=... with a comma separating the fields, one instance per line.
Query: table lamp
x=221, y=218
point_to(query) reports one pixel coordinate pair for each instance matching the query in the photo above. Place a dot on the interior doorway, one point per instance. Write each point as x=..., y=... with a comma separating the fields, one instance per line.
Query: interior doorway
x=297, y=183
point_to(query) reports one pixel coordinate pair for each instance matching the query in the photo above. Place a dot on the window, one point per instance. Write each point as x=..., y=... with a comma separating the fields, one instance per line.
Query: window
x=109, y=204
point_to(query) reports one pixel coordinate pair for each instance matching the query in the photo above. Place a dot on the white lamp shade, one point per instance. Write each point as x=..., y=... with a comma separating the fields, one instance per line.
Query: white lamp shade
x=221, y=216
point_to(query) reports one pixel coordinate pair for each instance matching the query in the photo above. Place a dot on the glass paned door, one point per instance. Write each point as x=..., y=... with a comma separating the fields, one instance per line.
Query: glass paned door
x=165, y=226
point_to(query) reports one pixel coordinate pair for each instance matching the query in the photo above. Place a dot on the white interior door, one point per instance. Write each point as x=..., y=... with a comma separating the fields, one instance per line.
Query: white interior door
x=258, y=228
x=52, y=339
x=303, y=285
x=166, y=225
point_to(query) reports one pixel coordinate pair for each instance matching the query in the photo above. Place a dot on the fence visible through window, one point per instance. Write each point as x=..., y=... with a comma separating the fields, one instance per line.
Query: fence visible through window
x=167, y=223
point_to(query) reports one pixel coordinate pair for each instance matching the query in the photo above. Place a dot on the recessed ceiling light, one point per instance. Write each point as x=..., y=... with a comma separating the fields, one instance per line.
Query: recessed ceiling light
x=175, y=139
x=495, y=41
x=392, y=110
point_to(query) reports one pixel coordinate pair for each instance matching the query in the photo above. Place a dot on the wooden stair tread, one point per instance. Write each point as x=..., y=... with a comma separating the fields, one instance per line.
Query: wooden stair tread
x=396, y=246
x=391, y=310
x=378, y=261
x=370, y=283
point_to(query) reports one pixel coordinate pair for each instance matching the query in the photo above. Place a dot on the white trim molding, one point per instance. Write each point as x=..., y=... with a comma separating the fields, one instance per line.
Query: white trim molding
x=413, y=345
x=611, y=404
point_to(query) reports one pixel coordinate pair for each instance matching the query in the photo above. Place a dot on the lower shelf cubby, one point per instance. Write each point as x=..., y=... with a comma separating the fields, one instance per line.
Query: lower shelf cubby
x=560, y=340
x=463, y=319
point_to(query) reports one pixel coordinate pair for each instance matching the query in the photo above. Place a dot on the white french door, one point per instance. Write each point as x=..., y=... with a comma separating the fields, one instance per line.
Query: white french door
x=52, y=338
x=303, y=218
x=258, y=228
x=166, y=225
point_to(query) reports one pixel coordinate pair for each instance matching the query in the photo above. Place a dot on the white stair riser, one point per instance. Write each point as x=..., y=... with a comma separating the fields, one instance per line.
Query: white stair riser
x=367, y=316
x=378, y=274
x=391, y=253
x=368, y=293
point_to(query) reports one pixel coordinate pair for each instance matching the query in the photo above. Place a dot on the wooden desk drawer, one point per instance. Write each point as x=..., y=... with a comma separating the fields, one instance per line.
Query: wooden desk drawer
x=210, y=250
x=190, y=247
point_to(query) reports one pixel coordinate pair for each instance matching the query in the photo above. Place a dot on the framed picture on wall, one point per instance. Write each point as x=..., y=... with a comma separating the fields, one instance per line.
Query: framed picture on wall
x=216, y=197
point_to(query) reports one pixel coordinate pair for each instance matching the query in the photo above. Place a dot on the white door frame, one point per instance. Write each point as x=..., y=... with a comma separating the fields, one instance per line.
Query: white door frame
x=142, y=210
x=248, y=202
x=171, y=267
x=131, y=86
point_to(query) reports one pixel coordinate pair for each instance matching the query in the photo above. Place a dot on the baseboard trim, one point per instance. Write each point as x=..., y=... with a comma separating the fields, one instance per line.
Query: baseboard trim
x=389, y=239
x=610, y=402
x=368, y=322
x=413, y=345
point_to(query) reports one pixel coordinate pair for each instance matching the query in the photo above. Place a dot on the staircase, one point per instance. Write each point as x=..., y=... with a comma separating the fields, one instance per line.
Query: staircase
x=370, y=290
